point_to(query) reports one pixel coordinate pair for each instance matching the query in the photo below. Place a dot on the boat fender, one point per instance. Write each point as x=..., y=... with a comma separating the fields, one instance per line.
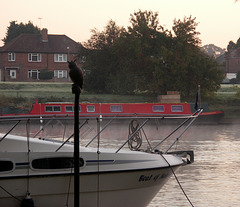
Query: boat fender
x=27, y=201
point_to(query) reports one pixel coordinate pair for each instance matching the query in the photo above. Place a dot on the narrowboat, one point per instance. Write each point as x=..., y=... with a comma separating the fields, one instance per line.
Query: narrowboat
x=123, y=109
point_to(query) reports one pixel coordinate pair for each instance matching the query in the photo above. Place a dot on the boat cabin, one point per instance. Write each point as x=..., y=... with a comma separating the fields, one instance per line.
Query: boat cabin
x=111, y=108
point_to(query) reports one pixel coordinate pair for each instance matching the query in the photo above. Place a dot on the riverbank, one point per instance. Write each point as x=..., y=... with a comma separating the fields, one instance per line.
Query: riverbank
x=23, y=95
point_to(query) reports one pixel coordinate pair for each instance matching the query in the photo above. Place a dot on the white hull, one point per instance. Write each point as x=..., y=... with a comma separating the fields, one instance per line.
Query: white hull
x=127, y=178
x=104, y=190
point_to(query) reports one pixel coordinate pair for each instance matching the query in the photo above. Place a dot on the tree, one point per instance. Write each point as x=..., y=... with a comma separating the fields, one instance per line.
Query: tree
x=46, y=74
x=147, y=58
x=100, y=58
x=143, y=50
x=100, y=40
x=15, y=29
x=186, y=30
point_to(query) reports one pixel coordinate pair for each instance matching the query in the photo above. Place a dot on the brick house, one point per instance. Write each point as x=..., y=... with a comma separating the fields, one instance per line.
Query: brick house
x=27, y=55
x=233, y=62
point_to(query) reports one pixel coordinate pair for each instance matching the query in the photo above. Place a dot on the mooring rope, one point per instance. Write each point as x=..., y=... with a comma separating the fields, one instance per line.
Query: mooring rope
x=185, y=194
x=136, y=141
x=98, y=166
x=69, y=185
x=28, y=153
x=6, y=191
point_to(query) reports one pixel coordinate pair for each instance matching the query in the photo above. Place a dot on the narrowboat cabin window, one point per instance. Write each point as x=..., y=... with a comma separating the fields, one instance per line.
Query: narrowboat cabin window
x=158, y=108
x=52, y=108
x=90, y=108
x=55, y=163
x=177, y=108
x=6, y=165
x=71, y=108
x=116, y=108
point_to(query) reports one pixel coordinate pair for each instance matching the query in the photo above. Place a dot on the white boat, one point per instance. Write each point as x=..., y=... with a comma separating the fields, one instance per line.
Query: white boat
x=40, y=171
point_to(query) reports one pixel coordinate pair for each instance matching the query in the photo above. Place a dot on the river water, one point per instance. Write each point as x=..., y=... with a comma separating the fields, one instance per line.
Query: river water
x=212, y=180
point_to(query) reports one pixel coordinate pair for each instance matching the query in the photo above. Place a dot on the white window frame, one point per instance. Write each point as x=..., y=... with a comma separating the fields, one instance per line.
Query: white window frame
x=62, y=58
x=90, y=108
x=60, y=73
x=32, y=56
x=13, y=73
x=71, y=108
x=31, y=72
x=11, y=56
x=52, y=108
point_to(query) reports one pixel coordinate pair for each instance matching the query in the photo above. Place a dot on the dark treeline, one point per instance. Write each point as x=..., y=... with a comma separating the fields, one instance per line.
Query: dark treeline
x=145, y=57
x=15, y=29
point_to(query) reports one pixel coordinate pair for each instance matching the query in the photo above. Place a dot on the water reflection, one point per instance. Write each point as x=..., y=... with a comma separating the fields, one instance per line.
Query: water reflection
x=213, y=179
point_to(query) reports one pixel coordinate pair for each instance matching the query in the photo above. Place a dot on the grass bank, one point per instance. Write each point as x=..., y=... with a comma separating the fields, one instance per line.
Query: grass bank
x=227, y=98
x=24, y=94
x=20, y=94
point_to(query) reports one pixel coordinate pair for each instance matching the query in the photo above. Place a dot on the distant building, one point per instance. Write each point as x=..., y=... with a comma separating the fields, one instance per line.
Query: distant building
x=232, y=62
x=23, y=58
x=231, y=75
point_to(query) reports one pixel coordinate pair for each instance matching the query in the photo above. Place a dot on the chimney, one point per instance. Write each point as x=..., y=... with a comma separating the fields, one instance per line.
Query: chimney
x=44, y=35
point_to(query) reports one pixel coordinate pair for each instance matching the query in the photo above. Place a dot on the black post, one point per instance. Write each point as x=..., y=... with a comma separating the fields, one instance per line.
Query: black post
x=76, y=90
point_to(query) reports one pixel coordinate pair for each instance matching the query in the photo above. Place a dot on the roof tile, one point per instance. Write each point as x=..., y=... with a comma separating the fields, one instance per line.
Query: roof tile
x=33, y=43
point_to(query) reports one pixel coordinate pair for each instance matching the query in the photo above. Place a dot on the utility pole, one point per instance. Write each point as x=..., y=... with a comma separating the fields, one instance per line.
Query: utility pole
x=76, y=90
x=76, y=76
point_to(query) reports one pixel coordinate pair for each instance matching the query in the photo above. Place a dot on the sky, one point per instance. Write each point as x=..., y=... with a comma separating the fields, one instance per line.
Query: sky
x=218, y=20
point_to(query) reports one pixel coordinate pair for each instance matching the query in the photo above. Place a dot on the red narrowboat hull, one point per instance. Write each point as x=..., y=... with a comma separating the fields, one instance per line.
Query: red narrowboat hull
x=121, y=109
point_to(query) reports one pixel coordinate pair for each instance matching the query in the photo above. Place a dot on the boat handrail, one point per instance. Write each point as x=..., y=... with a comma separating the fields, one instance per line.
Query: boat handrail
x=67, y=140
x=198, y=112
x=110, y=119
x=94, y=116
x=109, y=122
x=194, y=116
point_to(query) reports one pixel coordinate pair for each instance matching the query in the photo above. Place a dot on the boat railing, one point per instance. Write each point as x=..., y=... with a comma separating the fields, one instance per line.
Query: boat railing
x=94, y=116
x=44, y=121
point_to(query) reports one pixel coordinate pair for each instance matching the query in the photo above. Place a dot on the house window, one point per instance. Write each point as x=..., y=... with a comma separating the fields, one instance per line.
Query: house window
x=177, y=108
x=34, y=74
x=12, y=74
x=34, y=57
x=60, y=57
x=60, y=73
x=158, y=108
x=11, y=56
